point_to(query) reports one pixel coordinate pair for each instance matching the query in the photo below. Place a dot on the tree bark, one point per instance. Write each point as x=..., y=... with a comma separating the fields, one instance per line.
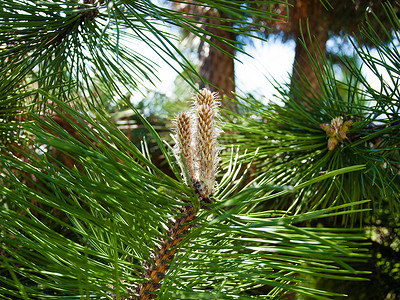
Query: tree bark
x=308, y=15
x=217, y=68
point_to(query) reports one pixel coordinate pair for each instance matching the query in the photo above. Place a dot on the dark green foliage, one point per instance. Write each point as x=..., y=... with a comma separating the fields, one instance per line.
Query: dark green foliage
x=81, y=230
x=286, y=144
x=83, y=208
x=291, y=145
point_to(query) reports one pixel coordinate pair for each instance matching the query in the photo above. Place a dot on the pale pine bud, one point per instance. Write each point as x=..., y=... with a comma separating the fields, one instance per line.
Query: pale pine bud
x=183, y=136
x=336, y=125
x=207, y=151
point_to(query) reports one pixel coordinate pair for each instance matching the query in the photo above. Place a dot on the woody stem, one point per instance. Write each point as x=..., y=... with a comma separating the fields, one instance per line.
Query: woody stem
x=169, y=247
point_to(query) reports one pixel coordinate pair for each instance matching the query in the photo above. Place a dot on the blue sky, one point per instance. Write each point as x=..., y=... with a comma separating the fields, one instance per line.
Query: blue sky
x=266, y=61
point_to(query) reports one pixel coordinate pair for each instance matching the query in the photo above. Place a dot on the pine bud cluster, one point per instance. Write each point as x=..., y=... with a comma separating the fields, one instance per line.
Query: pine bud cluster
x=336, y=131
x=196, y=136
x=196, y=149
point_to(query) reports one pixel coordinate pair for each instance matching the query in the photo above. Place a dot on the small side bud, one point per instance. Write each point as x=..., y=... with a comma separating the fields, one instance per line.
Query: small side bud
x=183, y=125
x=347, y=125
x=332, y=142
x=324, y=126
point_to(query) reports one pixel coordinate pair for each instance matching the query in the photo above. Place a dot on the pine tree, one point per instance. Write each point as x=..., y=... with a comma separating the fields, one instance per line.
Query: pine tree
x=216, y=67
x=311, y=23
x=86, y=214
x=350, y=123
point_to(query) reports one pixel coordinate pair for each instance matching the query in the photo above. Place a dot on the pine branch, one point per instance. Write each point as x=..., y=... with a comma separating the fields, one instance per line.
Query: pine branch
x=165, y=255
x=200, y=141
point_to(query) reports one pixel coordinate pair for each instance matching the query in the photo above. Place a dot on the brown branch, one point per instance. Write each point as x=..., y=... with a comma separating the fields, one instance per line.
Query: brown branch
x=169, y=247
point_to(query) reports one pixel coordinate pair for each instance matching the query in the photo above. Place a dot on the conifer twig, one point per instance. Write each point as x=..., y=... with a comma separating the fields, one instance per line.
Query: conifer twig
x=166, y=253
x=197, y=153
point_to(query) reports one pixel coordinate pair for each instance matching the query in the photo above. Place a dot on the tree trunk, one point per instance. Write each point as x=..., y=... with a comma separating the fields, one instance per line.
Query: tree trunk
x=217, y=68
x=308, y=14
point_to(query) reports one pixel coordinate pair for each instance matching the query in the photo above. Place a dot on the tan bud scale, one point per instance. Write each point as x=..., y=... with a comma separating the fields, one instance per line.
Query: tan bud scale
x=184, y=139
